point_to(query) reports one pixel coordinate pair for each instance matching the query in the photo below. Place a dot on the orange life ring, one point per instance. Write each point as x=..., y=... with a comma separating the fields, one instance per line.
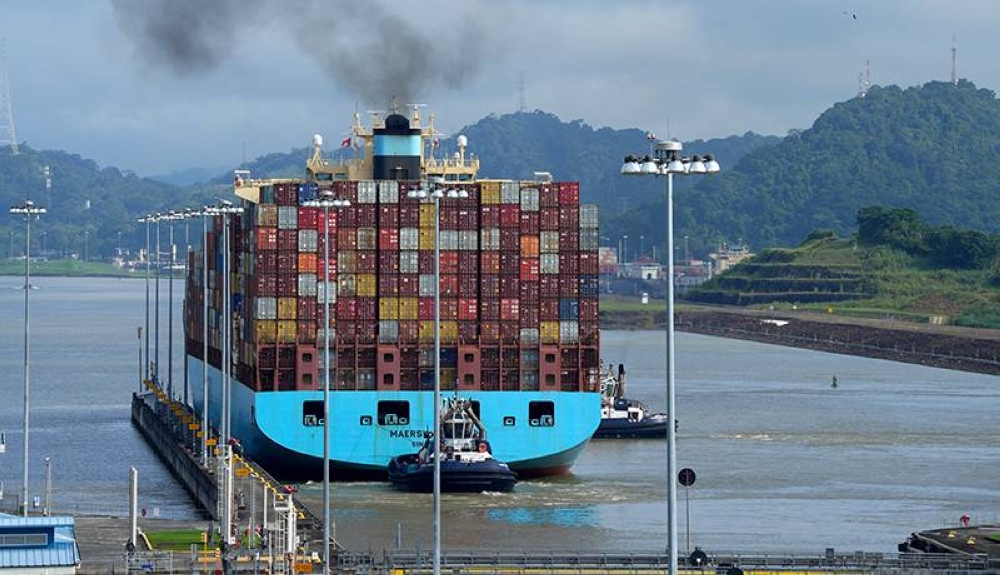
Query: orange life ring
x=482, y=447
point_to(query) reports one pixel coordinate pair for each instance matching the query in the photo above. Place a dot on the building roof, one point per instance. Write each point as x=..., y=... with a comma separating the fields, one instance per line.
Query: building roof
x=60, y=546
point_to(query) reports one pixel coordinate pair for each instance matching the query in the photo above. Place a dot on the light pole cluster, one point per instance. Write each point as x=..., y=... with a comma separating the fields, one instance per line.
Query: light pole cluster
x=667, y=161
x=326, y=201
x=30, y=212
x=434, y=189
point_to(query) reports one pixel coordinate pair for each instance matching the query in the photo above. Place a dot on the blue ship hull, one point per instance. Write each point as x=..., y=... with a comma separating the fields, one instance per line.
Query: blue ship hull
x=275, y=429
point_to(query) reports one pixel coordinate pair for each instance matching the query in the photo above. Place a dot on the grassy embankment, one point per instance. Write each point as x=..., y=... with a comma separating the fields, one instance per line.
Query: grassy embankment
x=175, y=539
x=66, y=267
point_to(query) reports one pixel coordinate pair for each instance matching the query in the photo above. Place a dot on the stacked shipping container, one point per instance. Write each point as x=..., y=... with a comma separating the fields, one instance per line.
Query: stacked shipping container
x=518, y=288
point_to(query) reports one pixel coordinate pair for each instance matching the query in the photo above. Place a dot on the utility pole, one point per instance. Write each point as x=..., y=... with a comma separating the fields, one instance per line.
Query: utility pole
x=8, y=136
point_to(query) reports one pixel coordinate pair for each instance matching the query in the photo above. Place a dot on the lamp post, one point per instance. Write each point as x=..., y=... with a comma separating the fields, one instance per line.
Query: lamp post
x=156, y=314
x=434, y=189
x=668, y=162
x=146, y=220
x=30, y=212
x=326, y=201
x=171, y=217
x=642, y=246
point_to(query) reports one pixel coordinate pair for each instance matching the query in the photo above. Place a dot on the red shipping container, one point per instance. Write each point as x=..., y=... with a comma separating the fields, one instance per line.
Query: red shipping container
x=529, y=223
x=267, y=285
x=510, y=239
x=589, y=264
x=569, y=286
x=388, y=285
x=529, y=316
x=489, y=286
x=286, y=194
x=569, y=193
x=529, y=269
x=425, y=308
x=569, y=217
x=589, y=309
x=425, y=261
x=388, y=216
x=365, y=333
x=468, y=219
x=367, y=308
x=306, y=332
x=345, y=334
x=489, y=309
x=287, y=262
x=288, y=240
x=388, y=239
x=548, y=309
x=409, y=285
x=510, y=331
x=267, y=238
x=548, y=195
x=510, y=286
x=409, y=215
x=347, y=308
x=548, y=286
x=410, y=330
x=468, y=331
x=309, y=217
x=448, y=217
x=490, y=262
x=449, y=262
x=388, y=261
x=569, y=264
x=569, y=240
x=510, y=262
x=365, y=216
x=510, y=309
x=449, y=285
x=489, y=216
x=510, y=215
x=347, y=217
x=321, y=220
x=548, y=219
x=449, y=308
x=489, y=332
x=307, y=307
x=468, y=308
x=329, y=265
x=365, y=261
x=529, y=293
x=468, y=262
x=468, y=285
x=267, y=262
x=288, y=284
x=347, y=239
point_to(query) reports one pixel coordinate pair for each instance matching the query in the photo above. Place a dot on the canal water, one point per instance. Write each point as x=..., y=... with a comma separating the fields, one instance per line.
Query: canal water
x=784, y=462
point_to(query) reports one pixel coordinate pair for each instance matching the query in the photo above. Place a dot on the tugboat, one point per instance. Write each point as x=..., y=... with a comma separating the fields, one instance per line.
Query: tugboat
x=467, y=463
x=626, y=418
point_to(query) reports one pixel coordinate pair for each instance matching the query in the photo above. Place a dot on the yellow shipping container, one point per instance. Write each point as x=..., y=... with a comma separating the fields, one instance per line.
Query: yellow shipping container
x=287, y=308
x=426, y=241
x=529, y=246
x=427, y=216
x=489, y=192
x=365, y=286
x=287, y=331
x=408, y=307
x=548, y=331
x=388, y=308
x=266, y=330
x=449, y=331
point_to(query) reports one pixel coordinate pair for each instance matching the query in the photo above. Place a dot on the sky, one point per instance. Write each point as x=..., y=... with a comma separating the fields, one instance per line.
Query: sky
x=156, y=86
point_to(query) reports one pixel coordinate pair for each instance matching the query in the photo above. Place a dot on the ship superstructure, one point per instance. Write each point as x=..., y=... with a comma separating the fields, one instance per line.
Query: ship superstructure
x=518, y=308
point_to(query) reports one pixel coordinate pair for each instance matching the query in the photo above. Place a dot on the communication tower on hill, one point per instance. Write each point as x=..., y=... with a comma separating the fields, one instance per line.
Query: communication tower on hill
x=7, y=134
x=954, y=61
x=865, y=80
x=522, y=104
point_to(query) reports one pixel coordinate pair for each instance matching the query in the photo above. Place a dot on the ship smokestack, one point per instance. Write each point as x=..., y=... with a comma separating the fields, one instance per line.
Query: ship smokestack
x=397, y=150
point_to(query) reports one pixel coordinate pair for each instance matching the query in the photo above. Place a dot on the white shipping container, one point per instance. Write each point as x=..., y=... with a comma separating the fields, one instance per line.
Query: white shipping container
x=366, y=192
x=388, y=331
x=307, y=285
x=266, y=308
x=288, y=217
x=409, y=239
x=529, y=335
x=549, y=242
x=589, y=239
x=569, y=331
x=308, y=240
x=409, y=262
x=468, y=240
x=529, y=200
x=510, y=193
x=449, y=239
x=388, y=192
x=588, y=216
x=321, y=293
x=549, y=263
x=490, y=238
x=366, y=238
x=427, y=285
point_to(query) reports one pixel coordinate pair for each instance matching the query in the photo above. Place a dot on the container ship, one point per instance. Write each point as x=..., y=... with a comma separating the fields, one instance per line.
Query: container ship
x=518, y=292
